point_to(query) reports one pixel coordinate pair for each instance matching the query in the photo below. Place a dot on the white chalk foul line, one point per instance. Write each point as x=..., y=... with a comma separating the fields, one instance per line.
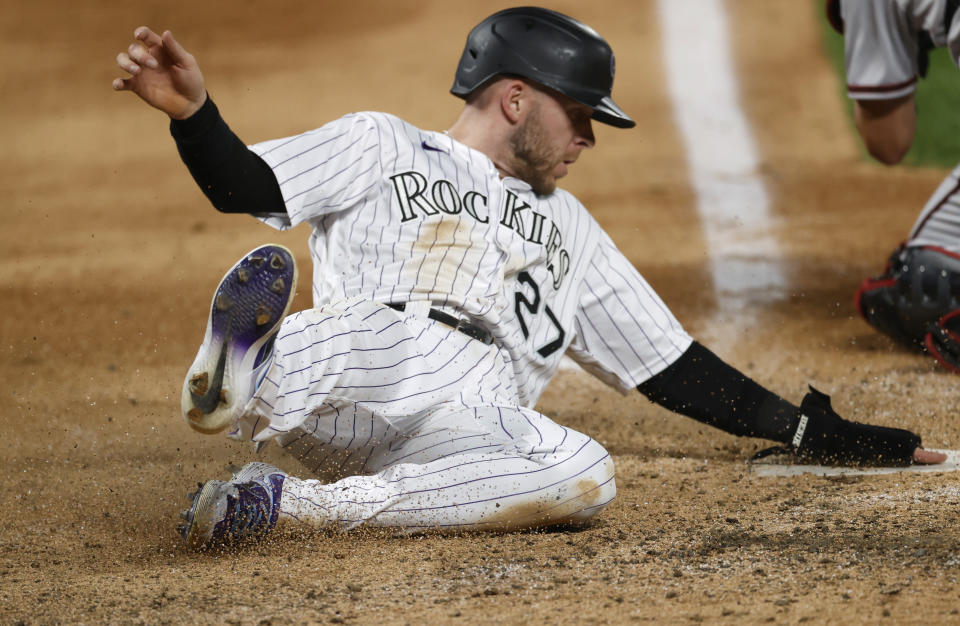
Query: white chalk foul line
x=771, y=467
x=732, y=198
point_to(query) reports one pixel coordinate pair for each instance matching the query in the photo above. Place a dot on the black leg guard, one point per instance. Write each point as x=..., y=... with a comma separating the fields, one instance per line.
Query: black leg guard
x=920, y=286
x=943, y=342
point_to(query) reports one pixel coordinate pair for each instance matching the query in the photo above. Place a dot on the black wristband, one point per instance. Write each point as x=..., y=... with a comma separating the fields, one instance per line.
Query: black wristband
x=198, y=124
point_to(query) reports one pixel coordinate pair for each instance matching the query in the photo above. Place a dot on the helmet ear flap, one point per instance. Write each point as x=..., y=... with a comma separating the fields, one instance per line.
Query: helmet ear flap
x=548, y=48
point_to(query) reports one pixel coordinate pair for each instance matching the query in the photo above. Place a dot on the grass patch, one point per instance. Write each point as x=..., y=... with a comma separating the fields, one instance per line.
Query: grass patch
x=937, y=143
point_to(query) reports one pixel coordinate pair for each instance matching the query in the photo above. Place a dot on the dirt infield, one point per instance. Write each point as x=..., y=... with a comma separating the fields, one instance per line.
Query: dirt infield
x=111, y=253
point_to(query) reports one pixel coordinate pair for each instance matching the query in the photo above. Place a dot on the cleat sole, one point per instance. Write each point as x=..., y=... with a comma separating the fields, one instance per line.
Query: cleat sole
x=247, y=309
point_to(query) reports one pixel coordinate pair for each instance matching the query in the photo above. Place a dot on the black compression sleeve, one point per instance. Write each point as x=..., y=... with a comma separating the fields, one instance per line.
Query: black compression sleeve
x=701, y=386
x=233, y=178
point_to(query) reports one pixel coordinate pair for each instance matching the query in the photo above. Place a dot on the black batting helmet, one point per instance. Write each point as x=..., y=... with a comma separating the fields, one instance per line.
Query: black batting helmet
x=548, y=48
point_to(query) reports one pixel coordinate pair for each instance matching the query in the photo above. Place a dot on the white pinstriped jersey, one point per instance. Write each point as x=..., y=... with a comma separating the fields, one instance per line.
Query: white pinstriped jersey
x=882, y=41
x=401, y=214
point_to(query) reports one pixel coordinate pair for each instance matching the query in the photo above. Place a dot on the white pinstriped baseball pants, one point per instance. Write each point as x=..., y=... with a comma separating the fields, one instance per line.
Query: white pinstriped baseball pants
x=407, y=423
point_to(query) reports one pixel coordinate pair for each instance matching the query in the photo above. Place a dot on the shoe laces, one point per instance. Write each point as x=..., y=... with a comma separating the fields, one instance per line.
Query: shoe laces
x=252, y=508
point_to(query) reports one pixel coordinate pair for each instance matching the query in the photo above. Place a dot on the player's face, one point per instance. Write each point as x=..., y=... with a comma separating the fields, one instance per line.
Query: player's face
x=550, y=139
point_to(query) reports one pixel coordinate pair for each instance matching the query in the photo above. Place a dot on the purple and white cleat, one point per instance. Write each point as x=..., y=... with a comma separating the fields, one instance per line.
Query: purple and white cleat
x=245, y=507
x=247, y=309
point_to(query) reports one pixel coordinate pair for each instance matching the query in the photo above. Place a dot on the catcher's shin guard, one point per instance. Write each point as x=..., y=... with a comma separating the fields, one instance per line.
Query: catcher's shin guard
x=919, y=287
x=943, y=341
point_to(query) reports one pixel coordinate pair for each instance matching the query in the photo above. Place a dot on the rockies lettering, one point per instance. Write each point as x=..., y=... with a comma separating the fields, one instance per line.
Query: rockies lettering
x=403, y=215
x=411, y=192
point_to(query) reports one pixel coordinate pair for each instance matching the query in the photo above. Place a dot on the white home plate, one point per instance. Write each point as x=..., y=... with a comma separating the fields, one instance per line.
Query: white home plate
x=780, y=465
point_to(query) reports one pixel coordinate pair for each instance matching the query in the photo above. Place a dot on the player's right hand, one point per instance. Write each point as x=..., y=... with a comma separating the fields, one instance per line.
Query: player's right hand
x=928, y=457
x=162, y=73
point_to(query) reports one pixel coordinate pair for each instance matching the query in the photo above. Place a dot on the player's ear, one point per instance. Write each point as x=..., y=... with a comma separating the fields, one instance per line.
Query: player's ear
x=513, y=98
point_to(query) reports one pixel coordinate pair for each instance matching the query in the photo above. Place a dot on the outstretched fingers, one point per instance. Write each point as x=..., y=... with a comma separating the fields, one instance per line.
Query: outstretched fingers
x=147, y=36
x=128, y=64
x=928, y=457
x=177, y=53
x=142, y=56
x=137, y=56
x=162, y=73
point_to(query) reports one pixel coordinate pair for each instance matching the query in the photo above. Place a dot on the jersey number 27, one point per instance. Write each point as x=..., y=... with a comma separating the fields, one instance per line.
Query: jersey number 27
x=533, y=308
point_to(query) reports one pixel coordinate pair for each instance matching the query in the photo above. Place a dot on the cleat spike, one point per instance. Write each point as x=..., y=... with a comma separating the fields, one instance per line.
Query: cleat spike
x=199, y=383
x=256, y=260
x=185, y=515
x=276, y=262
x=278, y=286
x=243, y=275
x=223, y=302
x=263, y=314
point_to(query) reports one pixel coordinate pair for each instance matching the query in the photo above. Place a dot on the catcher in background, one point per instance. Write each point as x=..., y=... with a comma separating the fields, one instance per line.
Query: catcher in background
x=917, y=299
x=451, y=275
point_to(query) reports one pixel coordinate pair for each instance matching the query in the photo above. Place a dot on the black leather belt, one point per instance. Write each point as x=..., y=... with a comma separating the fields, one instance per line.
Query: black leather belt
x=469, y=329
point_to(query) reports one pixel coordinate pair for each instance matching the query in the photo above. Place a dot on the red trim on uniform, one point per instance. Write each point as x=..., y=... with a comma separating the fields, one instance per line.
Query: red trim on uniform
x=834, y=16
x=932, y=349
x=880, y=88
x=946, y=252
x=868, y=284
x=920, y=226
x=941, y=324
